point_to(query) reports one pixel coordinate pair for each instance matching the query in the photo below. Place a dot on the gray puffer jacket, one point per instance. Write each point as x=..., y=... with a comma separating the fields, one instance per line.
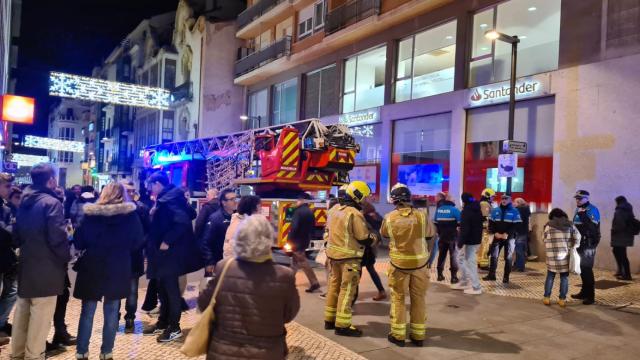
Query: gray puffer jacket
x=254, y=303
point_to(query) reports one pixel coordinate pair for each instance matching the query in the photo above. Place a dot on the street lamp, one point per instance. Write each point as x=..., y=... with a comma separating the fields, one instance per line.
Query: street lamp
x=513, y=40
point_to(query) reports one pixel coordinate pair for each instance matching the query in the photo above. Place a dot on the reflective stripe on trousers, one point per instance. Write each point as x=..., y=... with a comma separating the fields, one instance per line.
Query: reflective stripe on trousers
x=343, y=283
x=417, y=281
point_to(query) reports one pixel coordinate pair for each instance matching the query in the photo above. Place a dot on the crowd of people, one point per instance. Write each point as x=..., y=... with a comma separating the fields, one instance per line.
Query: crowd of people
x=44, y=230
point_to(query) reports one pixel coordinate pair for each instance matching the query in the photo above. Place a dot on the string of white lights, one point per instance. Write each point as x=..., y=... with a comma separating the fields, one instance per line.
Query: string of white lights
x=53, y=144
x=28, y=160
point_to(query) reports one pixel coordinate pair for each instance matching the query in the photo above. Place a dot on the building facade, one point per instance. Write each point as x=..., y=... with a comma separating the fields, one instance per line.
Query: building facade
x=425, y=91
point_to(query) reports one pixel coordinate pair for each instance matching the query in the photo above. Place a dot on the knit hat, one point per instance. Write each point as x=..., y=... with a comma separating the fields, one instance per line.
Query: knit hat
x=253, y=239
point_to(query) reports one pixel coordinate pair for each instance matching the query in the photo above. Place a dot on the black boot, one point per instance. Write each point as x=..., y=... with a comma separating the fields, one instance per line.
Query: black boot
x=440, y=276
x=329, y=325
x=64, y=339
x=454, y=278
x=578, y=296
x=505, y=280
x=417, y=343
x=351, y=331
x=395, y=341
x=129, y=326
x=490, y=277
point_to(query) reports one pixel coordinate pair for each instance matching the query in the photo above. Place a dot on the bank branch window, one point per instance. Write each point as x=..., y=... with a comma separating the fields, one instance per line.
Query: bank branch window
x=421, y=152
x=537, y=25
x=364, y=80
x=487, y=128
x=426, y=63
x=367, y=168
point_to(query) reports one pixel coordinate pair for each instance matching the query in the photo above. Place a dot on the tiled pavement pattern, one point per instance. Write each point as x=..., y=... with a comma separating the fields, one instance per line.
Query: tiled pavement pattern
x=304, y=344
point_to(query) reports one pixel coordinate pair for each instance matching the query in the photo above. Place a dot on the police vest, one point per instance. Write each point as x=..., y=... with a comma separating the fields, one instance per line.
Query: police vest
x=407, y=229
x=346, y=225
x=511, y=215
x=592, y=213
x=447, y=214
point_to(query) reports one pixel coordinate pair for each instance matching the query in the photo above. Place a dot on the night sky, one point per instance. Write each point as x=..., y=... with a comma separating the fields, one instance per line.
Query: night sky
x=72, y=36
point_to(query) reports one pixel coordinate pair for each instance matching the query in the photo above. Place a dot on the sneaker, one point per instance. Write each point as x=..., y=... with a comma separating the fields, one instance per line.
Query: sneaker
x=489, y=277
x=170, y=334
x=461, y=286
x=323, y=296
x=64, y=339
x=381, y=296
x=156, y=329
x=329, y=325
x=129, y=326
x=106, y=356
x=546, y=301
x=350, y=331
x=532, y=258
x=395, y=341
x=312, y=288
x=82, y=356
x=472, y=291
x=562, y=303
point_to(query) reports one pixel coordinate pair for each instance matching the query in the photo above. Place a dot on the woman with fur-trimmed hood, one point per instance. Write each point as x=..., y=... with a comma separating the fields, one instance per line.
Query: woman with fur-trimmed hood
x=109, y=232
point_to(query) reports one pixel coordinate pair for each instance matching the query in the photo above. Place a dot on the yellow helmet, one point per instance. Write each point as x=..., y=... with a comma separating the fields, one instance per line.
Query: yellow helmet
x=488, y=193
x=358, y=191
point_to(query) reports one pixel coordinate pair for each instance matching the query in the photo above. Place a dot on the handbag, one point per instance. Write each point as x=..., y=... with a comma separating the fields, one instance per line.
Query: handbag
x=574, y=261
x=197, y=341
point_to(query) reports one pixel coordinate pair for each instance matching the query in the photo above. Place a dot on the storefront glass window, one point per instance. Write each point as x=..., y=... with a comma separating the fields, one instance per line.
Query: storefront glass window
x=257, y=109
x=367, y=167
x=364, y=81
x=536, y=24
x=426, y=63
x=420, y=159
x=284, y=102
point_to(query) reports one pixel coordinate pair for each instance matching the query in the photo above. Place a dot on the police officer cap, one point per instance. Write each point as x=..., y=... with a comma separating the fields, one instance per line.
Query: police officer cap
x=581, y=194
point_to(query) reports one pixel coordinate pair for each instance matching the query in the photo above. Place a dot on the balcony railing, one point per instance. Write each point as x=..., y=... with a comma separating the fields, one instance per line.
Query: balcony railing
x=255, y=11
x=259, y=58
x=182, y=93
x=350, y=13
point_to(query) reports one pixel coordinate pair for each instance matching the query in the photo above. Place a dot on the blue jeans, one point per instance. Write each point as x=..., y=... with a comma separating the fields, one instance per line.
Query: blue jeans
x=8, y=297
x=508, y=245
x=131, y=305
x=521, y=252
x=467, y=261
x=111, y=308
x=564, y=284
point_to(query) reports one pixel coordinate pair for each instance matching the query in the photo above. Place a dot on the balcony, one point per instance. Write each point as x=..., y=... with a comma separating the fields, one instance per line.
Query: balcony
x=182, y=94
x=260, y=58
x=255, y=11
x=267, y=14
x=350, y=13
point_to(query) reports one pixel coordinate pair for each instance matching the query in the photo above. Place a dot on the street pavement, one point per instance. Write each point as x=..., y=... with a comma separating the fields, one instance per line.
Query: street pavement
x=507, y=322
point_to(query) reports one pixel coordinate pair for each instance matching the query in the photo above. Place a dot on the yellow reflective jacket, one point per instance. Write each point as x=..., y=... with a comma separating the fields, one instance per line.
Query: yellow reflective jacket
x=346, y=226
x=407, y=229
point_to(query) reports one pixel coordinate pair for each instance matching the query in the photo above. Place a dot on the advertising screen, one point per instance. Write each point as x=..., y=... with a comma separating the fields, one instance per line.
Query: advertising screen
x=422, y=179
x=499, y=184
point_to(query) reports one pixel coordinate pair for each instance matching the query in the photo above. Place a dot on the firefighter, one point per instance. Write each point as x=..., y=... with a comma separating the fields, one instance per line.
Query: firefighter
x=486, y=204
x=347, y=236
x=407, y=229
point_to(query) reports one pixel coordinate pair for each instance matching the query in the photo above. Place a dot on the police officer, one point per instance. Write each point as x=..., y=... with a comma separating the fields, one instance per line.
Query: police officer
x=407, y=229
x=503, y=223
x=347, y=236
x=486, y=205
x=587, y=220
x=447, y=219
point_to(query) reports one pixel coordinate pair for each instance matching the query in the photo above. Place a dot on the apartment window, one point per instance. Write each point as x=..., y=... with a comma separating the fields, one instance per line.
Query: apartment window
x=152, y=128
x=311, y=19
x=258, y=109
x=153, y=77
x=320, y=9
x=284, y=102
x=65, y=156
x=145, y=78
x=67, y=134
x=167, y=126
x=537, y=24
x=364, y=80
x=320, y=97
x=426, y=63
x=169, y=74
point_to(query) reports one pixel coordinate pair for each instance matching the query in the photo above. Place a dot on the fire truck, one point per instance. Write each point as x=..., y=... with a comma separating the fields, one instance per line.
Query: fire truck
x=277, y=163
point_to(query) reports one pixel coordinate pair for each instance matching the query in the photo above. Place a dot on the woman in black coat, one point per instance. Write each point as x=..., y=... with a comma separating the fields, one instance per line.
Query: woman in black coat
x=109, y=232
x=622, y=236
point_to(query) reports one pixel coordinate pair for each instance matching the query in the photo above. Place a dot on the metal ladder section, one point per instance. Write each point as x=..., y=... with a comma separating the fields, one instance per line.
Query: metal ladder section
x=232, y=161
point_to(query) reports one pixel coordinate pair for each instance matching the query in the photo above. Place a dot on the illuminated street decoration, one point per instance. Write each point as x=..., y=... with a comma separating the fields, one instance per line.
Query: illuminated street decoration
x=110, y=92
x=29, y=160
x=364, y=131
x=17, y=109
x=53, y=144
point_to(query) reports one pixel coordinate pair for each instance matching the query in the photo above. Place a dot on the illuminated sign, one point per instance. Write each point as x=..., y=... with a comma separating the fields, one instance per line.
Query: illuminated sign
x=366, y=131
x=528, y=87
x=17, y=109
x=165, y=157
x=360, y=117
x=28, y=160
x=110, y=92
x=53, y=144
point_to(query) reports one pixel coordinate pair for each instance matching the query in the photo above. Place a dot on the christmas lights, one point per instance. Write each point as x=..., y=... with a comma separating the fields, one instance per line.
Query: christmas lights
x=53, y=144
x=110, y=92
x=28, y=160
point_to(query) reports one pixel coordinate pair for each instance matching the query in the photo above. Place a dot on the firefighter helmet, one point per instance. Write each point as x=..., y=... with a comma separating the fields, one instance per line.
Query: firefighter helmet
x=358, y=191
x=488, y=193
x=400, y=193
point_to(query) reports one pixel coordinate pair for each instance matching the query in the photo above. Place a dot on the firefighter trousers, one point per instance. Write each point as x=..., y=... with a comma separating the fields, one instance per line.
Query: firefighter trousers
x=483, y=252
x=417, y=281
x=343, y=285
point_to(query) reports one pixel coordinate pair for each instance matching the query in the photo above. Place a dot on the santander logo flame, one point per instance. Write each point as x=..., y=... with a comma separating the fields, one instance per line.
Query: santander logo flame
x=476, y=96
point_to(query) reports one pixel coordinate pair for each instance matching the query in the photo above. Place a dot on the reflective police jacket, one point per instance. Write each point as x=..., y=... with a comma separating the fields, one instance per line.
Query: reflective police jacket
x=588, y=223
x=504, y=220
x=407, y=229
x=447, y=219
x=346, y=233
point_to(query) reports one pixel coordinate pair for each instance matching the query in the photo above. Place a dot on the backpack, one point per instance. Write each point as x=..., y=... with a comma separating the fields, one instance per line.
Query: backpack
x=634, y=226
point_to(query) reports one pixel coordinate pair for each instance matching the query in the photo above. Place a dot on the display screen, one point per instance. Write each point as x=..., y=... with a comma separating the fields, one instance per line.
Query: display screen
x=422, y=179
x=499, y=184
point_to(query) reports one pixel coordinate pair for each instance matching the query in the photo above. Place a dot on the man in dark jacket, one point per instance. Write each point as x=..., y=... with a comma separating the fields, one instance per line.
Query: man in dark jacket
x=503, y=224
x=522, y=240
x=8, y=257
x=40, y=233
x=171, y=251
x=471, y=227
x=211, y=206
x=622, y=236
x=587, y=221
x=302, y=223
x=212, y=241
x=447, y=219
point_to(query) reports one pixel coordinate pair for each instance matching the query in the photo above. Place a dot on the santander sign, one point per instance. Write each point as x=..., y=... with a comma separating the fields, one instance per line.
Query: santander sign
x=498, y=93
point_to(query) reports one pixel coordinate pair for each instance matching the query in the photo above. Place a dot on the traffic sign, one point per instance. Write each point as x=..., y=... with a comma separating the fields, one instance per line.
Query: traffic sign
x=512, y=146
x=507, y=165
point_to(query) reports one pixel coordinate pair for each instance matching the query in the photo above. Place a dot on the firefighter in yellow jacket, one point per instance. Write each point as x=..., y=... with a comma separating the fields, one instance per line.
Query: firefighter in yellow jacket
x=407, y=229
x=347, y=235
x=486, y=205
